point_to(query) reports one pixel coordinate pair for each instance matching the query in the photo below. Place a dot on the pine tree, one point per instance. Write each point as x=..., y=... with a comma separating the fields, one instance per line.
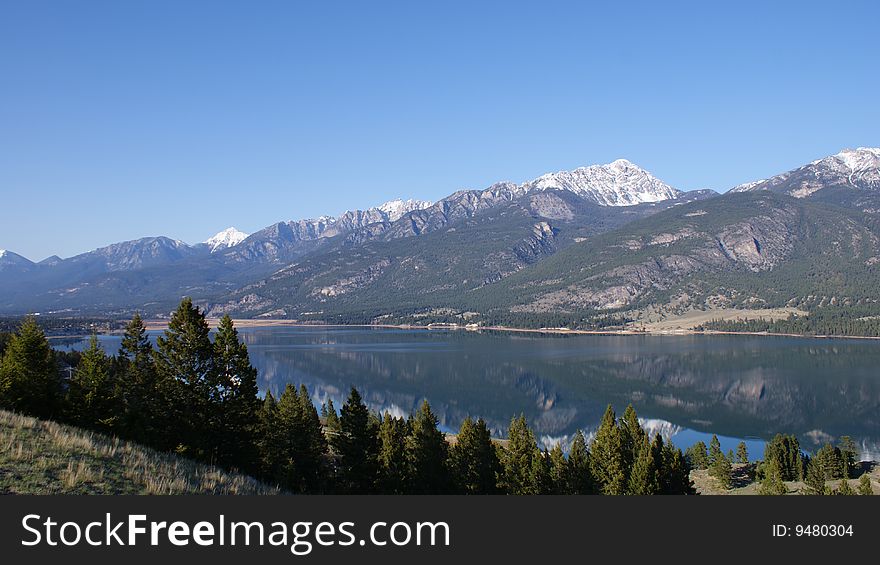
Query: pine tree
x=234, y=399
x=607, y=456
x=303, y=444
x=313, y=444
x=721, y=469
x=473, y=459
x=29, y=378
x=815, y=479
x=392, y=455
x=675, y=477
x=292, y=435
x=185, y=357
x=357, y=445
x=328, y=412
x=541, y=475
x=143, y=398
x=865, y=485
x=632, y=437
x=558, y=470
x=785, y=451
x=519, y=456
x=697, y=456
x=714, y=450
x=849, y=454
x=742, y=453
x=844, y=489
x=90, y=394
x=644, y=479
x=772, y=485
x=580, y=477
x=427, y=451
x=831, y=461
x=270, y=441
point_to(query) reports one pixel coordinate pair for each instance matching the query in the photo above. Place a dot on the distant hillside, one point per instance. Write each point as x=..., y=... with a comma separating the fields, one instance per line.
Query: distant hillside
x=43, y=457
x=598, y=247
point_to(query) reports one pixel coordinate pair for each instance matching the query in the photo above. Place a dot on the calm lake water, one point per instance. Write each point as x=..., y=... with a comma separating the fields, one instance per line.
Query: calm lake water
x=685, y=387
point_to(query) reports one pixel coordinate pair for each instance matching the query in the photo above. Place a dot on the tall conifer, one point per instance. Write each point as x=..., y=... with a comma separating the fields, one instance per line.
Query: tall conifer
x=607, y=456
x=29, y=378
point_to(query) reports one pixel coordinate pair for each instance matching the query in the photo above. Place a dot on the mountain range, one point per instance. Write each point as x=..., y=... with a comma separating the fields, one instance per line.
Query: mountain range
x=597, y=246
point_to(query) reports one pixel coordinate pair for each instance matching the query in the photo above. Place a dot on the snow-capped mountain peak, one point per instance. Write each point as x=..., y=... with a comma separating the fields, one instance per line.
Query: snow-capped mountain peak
x=395, y=209
x=619, y=183
x=854, y=168
x=224, y=239
x=858, y=159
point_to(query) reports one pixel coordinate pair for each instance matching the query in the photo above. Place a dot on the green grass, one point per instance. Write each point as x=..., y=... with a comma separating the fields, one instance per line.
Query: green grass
x=44, y=457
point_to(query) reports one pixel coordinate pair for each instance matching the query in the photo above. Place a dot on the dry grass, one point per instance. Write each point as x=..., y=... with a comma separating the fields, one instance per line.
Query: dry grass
x=655, y=322
x=44, y=457
x=706, y=484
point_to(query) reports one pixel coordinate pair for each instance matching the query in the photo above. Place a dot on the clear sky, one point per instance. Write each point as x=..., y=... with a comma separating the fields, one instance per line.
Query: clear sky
x=121, y=120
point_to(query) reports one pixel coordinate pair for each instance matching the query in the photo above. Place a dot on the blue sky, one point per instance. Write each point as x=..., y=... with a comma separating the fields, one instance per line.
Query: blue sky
x=126, y=119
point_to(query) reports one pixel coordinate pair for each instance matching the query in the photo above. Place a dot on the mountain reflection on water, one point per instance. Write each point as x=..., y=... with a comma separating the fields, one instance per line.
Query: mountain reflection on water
x=682, y=386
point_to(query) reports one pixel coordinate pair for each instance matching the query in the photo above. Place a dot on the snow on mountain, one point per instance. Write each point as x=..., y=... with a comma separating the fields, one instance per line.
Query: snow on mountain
x=856, y=168
x=746, y=186
x=395, y=209
x=224, y=239
x=619, y=183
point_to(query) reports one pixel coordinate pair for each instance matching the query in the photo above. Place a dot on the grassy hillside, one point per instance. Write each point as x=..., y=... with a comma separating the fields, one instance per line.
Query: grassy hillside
x=744, y=485
x=43, y=457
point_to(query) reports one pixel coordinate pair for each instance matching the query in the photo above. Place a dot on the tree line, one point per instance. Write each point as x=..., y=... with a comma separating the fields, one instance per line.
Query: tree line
x=784, y=461
x=197, y=396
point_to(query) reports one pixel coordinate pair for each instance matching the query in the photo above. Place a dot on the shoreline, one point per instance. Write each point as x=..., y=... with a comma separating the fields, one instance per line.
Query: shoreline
x=156, y=325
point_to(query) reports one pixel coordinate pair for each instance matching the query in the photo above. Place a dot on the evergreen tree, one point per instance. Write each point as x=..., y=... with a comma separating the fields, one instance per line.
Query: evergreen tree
x=185, y=357
x=714, y=450
x=328, y=412
x=831, y=461
x=427, y=451
x=519, y=456
x=579, y=476
x=849, y=455
x=558, y=470
x=644, y=479
x=313, y=444
x=815, y=479
x=742, y=453
x=29, y=378
x=772, y=483
x=303, y=444
x=473, y=459
x=632, y=436
x=142, y=397
x=697, y=456
x=607, y=456
x=357, y=445
x=90, y=394
x=722, y=471
x=393, y=462
x=785, y=451
x=234, y=399
x=292, y=435
x=844, y=489
x=865, y=485
x=270, y=441
x=541, y=475
x=675, y=474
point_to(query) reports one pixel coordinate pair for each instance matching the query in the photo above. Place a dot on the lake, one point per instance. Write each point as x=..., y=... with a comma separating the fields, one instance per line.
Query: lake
x=685, y=387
